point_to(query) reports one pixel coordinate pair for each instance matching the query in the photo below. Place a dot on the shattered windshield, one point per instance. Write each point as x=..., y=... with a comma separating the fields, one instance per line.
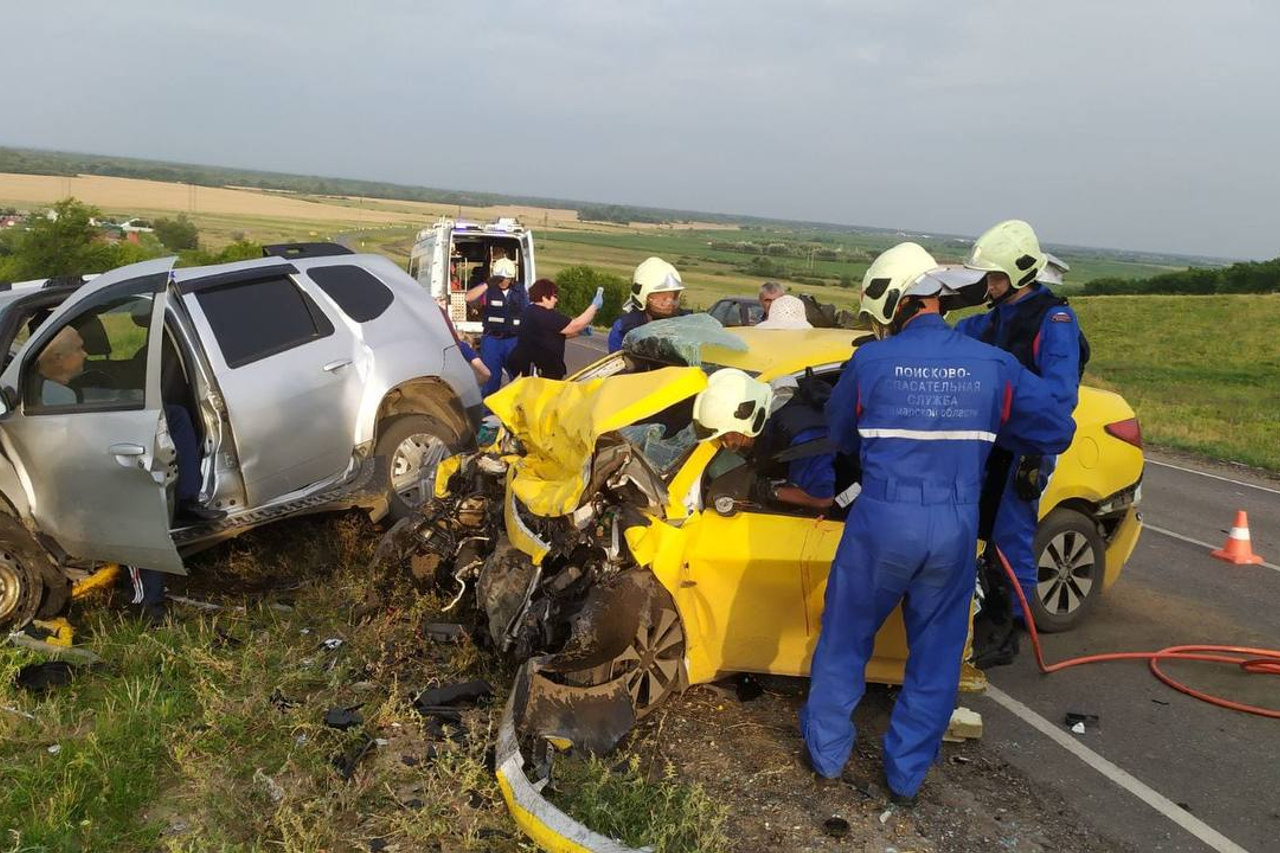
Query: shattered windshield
x=679, y=340
x=664, y=453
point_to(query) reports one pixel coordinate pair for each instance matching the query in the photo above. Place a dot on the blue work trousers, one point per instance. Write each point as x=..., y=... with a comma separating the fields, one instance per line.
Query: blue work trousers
x=1015, y=532
x=183, y=435
x=494, y=352
x=919, y=554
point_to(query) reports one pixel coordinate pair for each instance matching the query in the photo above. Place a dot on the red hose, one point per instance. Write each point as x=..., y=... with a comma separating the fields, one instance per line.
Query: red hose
x=1257, y=661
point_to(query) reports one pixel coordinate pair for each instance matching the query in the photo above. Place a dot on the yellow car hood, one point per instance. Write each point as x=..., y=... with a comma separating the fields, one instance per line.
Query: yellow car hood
x=559, y=422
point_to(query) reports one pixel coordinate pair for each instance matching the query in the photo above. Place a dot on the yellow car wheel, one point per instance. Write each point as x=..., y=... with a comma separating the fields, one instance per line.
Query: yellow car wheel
x=1071, y=560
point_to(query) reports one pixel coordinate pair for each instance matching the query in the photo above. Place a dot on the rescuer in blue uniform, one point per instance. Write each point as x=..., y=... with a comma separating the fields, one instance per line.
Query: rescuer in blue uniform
x=1041, y=331
x=655, y=295
x=504, y=301
x=922, y=408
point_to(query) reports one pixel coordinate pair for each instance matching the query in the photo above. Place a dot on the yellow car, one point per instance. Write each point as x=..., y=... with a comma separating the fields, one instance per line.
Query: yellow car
x=627, y=560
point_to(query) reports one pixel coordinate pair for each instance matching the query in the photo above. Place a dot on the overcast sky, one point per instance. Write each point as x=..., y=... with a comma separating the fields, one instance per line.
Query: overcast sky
x=1143, y=124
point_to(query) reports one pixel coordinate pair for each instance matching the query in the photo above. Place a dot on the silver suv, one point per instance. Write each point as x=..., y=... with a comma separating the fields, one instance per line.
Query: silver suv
x=314, y=381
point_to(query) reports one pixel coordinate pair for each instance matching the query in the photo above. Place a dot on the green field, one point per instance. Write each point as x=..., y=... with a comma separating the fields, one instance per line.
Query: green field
x=1203, y=372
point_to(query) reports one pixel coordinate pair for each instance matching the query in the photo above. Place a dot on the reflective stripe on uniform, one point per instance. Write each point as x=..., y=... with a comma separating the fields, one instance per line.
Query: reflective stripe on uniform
x=928, y=434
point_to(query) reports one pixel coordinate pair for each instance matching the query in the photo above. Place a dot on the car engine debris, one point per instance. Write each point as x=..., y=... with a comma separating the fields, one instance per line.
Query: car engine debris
x=563, y=594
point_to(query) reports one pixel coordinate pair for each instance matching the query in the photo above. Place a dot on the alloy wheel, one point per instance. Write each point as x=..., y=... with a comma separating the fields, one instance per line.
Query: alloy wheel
x=1066, y=572
x=652, y=662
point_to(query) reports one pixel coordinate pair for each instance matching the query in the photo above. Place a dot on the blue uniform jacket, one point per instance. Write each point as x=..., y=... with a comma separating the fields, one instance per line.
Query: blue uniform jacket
x=625, y=323
x=1055, y=350
x=925, y=406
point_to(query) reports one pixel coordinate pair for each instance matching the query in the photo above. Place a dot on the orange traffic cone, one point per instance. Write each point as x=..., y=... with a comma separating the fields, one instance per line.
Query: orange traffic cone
x=1238, y=550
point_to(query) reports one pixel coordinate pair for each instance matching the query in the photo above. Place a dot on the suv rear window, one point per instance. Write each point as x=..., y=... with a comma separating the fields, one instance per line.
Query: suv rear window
x=257, y=319
x=358, y=293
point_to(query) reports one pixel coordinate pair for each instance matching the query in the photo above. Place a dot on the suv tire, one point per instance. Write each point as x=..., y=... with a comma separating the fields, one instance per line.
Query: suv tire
x=409, y=443
x=1071, y=560
x=24, y=570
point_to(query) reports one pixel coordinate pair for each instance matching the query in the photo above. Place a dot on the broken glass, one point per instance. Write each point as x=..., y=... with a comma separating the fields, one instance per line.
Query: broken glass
x=679, y=340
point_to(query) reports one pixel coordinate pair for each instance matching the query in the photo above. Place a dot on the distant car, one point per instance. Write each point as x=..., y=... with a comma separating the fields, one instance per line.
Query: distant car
x=314, y=383
x=737, y=311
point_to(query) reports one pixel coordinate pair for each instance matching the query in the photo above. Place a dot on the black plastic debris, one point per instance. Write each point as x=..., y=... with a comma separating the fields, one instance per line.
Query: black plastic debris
x=748, y=688
x=441, y=730
x=1074, y=718
x=282, y=702
x=451, y=696
x=835, y=827
x=343, y=718
x=410, y=760
x=444, y=632
x=347, y=761
x=377, y=845
x=42, y=677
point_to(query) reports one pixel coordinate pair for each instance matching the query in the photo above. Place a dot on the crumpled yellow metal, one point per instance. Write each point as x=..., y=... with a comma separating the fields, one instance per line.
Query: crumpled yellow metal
x=559, y=422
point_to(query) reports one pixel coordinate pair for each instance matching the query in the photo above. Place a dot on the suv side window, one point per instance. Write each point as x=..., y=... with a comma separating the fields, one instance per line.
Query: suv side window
x=95, y=361
x=256, y=319
x=360, y=295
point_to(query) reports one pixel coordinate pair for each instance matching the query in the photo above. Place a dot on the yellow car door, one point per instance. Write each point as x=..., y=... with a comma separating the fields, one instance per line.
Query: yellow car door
x=744, y=585
x=890, y=653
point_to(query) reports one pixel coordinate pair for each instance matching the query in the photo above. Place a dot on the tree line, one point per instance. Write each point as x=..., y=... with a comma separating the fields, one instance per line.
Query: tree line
x=65, y=241
x=1245, y=277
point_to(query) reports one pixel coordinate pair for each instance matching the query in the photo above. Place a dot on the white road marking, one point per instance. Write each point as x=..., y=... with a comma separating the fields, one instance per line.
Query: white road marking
x=1201, y=830
x=1211, y=547
x=1151, y=461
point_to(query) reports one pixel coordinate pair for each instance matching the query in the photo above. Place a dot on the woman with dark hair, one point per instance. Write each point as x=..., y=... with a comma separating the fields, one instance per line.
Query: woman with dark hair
x=543, y=331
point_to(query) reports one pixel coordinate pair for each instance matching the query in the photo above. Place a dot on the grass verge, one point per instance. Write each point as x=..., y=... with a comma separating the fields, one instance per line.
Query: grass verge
x=1202, y=372
x=207, y=733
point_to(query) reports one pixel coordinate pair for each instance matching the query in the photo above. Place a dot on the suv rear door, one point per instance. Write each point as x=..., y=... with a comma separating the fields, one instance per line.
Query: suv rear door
x=88, y=432
x=291, y=376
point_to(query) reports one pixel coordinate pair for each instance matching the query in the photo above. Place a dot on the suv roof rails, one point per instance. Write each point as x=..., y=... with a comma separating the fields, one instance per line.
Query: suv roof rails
x=304, y=250
x=63, y=281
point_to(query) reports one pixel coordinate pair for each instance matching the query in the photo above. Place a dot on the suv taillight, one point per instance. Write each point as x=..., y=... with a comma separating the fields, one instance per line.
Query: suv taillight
x=1127, y=430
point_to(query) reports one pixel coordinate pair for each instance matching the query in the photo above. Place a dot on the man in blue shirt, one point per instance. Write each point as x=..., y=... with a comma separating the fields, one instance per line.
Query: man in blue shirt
x=921, y=407
x=1041, y=331
x=655, y=295
x=504, y=301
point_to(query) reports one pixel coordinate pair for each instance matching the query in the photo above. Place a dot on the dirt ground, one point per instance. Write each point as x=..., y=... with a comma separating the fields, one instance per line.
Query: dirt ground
x=746, y=754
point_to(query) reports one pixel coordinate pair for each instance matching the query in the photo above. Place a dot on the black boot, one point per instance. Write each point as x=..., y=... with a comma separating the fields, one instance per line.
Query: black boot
x=194, y=513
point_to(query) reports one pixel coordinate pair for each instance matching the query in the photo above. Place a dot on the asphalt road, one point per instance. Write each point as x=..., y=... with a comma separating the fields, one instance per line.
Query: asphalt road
x=1222, y=767
x=1219, y=769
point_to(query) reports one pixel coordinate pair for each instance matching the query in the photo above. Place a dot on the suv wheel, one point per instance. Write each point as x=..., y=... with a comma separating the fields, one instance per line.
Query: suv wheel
x=413, y=446
x=1071, y=559
x=24, y=567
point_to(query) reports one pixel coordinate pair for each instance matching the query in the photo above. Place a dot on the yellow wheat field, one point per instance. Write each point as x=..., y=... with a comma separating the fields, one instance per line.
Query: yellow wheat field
x=126, y=195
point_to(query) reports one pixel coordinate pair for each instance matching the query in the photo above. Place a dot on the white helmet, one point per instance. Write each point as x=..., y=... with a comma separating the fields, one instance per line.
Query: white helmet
x=1009, y=247
x=653, y=275
x=896, y=274
x=731, y=402
x=503, y=268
